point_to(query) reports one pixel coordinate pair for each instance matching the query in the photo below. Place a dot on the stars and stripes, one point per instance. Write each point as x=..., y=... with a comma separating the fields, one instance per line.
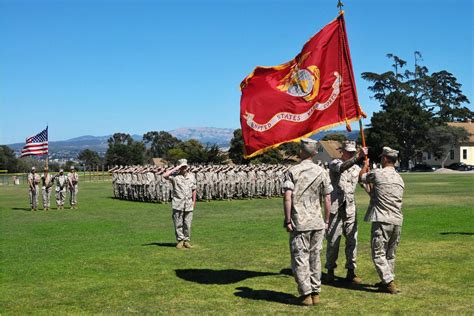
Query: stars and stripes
x=36, y=145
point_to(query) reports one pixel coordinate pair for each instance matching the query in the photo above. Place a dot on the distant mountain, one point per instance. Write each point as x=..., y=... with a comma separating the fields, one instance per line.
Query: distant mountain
x=67, y=149
x=206, y=135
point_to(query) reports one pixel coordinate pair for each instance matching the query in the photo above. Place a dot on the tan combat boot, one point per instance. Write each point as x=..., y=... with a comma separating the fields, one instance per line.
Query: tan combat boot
x=391, y=288
x=315, y=298
x=305, y=300
x=352, y=277
x=187, y=244
x=180, y=244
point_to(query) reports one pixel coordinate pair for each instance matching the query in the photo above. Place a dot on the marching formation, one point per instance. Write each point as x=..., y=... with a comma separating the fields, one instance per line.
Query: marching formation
x=215, y=182
x=46, y=181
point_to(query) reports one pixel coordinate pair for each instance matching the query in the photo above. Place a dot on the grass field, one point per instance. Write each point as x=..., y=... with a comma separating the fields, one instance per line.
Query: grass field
x=114, y=256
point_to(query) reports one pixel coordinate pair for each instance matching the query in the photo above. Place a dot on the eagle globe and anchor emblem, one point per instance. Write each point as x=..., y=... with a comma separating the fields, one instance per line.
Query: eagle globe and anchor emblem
x=301, y=82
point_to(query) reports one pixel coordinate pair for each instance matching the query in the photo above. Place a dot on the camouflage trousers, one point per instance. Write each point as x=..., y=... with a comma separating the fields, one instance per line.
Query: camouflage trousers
x=34, y=197
x=60, y=196
x=384, y=242
x=73, y=195
x=47, y=197
x=182, y=224
x=305, y=250
x=341, y=224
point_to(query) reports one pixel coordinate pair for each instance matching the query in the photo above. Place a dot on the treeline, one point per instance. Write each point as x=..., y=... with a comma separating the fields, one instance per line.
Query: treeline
x=416, y=106
x=124, y=150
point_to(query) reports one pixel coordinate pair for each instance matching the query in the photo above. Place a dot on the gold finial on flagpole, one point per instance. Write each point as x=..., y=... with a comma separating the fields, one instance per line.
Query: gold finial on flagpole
x=340, y=5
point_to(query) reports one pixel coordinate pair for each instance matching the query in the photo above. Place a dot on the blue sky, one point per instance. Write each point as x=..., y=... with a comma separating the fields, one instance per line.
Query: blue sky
x=99, y=67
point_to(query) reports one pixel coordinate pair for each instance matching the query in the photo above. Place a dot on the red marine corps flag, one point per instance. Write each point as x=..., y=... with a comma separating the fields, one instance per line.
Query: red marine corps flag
x=312, y=92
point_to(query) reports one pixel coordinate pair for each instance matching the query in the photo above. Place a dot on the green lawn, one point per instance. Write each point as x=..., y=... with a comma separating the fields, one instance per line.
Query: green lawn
x=113, y=256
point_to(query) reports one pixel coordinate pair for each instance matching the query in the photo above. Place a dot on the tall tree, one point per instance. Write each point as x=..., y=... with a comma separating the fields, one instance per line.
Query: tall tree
x=159, y=143
x=123, y=150
x=411, y=102
x=8, y=160
x=89, y=158
x=402, y=126
x=236, y=150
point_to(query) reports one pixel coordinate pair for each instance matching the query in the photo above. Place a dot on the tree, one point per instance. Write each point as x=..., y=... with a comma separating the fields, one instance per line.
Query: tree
x=340, y=137
x=446, y=97
x=174, y=154
x=194, y=150
x=123, y=150
x=272, y=156
x=236, y=150
x=411, y=102
x=402, y=126
x=89, y=158
x=8, y=160
x=213, y=154
x=120, y=138
x=159, y=143
x=442, y=139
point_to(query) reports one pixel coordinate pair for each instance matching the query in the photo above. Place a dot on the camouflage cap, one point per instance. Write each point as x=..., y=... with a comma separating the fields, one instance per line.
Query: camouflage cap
x=182, y=163
x=33, y=168
x=389, y=152
x=308, y=145
x=349, y=145
x=61, y=170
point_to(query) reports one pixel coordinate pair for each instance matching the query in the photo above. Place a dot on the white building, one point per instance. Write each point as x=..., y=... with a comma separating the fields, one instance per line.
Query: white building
x=463, y=153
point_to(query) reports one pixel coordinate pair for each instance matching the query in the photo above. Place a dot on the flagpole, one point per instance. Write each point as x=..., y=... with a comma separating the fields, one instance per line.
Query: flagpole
x=361, y=127
x=46, y=163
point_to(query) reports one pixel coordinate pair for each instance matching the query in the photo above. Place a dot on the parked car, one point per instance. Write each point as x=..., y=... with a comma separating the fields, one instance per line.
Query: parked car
x=422, y=167
x=460, y=166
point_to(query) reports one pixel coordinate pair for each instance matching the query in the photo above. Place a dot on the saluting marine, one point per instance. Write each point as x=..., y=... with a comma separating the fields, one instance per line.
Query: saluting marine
x=344, y=174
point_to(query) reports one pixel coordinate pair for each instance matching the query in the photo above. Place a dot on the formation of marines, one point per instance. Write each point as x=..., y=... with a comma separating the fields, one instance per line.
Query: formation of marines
x=63, y=184
x=214, y=182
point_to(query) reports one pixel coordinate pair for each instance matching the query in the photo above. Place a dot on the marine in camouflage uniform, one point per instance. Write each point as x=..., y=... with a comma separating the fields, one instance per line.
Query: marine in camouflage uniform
x=385, y=213
x=73, y=185
x=33, y=188
x=47, y=183
x=251, y=178
x=61, y=189
x=304, y=221
x=344, y=175
x=184, y=199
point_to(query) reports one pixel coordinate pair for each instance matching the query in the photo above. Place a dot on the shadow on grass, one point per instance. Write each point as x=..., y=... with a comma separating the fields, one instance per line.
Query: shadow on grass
x=161, y=244
x=457, y=233
x=339, y=283
x=227, y=276
x=26, y=209
x=265, y=295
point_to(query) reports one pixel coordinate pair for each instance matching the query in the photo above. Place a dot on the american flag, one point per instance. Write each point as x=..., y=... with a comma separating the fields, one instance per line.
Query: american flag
x=36, y=145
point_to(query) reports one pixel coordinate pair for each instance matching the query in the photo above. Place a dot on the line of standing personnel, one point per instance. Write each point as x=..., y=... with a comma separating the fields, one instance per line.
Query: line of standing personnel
x=46, y=181
x=147, y=183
